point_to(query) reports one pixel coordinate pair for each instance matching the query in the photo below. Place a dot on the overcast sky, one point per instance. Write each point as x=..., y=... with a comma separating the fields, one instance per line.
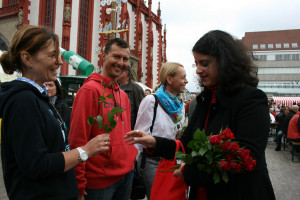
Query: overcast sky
x=188, y=20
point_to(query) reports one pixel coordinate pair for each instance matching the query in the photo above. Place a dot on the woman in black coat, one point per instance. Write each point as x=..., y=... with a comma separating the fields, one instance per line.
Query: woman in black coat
x=230, y=100
x=56, y=95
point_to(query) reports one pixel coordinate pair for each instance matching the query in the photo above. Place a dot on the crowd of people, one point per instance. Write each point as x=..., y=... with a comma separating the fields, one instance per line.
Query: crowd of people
x=52, y=152
x=287, y=124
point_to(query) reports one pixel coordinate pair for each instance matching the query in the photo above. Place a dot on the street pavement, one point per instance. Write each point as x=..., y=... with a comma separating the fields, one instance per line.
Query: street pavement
x=284, y=174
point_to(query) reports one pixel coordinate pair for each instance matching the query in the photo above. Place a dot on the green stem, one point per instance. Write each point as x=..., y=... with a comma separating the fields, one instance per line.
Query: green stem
x=101, y=104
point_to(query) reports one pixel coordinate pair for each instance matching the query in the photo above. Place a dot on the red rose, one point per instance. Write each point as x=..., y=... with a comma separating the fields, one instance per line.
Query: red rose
x=234, y=147
x=224, y=165
x=243, y=153
x=215, y=139
x=249, y=163
x=227, y=134
x=236, y=166
x=229, y=157
x=106, y=82
x=225, y=146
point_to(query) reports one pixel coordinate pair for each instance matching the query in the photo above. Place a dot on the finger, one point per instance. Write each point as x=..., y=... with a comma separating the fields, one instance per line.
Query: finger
x=105, y=136
x=128, y=139
x=133, y=133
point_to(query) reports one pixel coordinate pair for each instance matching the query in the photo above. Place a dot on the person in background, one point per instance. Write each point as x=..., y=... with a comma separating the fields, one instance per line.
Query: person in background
x=170, y=113
x=292, y=112
x=273, y=112
x=56, y=95
x=231, y=100
x=147, y=92
x=108, y=175
x=36, y=160
x=280, y=118
x=272, y=118
x=277, y=109
x=188, y=104
x=294, y=127
x=134, y=92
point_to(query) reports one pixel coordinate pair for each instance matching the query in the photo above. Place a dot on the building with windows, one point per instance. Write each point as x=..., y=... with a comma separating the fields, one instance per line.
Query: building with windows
x=277, y=54
x=84, y=26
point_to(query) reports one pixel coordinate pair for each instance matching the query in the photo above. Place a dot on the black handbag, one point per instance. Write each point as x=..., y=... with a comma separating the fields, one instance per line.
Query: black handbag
x=138, y=190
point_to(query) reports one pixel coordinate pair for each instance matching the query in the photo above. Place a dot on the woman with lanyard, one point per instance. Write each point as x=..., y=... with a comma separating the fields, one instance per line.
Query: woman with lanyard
x=169, y=117
x=37, y=161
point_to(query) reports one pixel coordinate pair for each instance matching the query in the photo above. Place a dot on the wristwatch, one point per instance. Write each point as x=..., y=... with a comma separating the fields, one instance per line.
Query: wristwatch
x=83, y=156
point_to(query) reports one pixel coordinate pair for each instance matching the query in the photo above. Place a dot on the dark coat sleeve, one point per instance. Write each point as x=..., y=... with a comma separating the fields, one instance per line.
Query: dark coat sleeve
x=27, y=129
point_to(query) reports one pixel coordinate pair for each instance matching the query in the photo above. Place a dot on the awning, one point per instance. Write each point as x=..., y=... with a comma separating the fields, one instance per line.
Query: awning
x=286, y=101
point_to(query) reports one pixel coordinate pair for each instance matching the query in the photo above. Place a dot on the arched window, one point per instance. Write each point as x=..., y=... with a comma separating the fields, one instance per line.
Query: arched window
x=47, y=13
x=85, y=28
x=6, y=3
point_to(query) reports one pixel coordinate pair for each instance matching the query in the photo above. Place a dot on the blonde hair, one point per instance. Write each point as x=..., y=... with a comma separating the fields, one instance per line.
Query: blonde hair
x=28, y=38
x=168, y=69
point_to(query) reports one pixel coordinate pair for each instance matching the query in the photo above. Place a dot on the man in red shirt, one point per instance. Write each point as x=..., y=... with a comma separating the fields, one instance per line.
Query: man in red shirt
x=108, y=175
x=294, y=128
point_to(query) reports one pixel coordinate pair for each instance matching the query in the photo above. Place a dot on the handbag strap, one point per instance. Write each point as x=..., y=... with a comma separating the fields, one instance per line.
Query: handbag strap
x=178, y=145
x=154, y=113
x=143, y=162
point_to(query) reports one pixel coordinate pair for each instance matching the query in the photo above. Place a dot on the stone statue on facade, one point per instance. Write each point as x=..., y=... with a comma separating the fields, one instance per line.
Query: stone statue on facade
x=67, y=12
x=20, y=16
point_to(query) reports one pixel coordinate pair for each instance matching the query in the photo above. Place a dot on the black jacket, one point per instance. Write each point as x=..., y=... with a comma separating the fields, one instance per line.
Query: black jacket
x=246, y=113
x=31, y=146
x=286, y=122
x=280, y=119
x=135, y=95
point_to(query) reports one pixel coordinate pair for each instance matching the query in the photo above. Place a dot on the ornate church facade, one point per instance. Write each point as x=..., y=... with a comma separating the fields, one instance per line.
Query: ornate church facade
x=84, y=26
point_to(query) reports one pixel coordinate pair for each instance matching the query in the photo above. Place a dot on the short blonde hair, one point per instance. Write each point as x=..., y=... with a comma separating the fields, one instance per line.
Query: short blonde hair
x=168, y=69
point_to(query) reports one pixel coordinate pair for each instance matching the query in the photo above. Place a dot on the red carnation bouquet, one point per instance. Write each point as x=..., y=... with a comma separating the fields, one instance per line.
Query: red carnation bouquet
x=218, y=154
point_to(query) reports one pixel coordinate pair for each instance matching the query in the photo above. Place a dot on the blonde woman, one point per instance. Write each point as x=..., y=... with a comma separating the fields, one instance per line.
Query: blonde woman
x=169, y=113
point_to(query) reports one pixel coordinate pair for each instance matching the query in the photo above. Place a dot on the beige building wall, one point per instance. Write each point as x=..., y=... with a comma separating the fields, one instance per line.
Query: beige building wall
x=8, y=28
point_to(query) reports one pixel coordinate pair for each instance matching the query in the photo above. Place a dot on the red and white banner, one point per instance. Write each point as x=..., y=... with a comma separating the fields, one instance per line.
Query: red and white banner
x=286, y=101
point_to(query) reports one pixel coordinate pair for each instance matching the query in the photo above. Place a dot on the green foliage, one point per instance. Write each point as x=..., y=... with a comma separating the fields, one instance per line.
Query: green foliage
x=203, y=154
x=110, y=96
x=216, y=177
x=110, y=123
x=225, y=177
x=91, y=121
x=102, y=98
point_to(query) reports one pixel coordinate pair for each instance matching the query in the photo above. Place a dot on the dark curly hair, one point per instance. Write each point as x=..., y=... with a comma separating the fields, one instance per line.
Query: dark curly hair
x=235, y=66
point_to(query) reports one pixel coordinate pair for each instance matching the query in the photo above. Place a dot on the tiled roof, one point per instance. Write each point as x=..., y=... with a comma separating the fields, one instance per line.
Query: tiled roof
x=272, y=37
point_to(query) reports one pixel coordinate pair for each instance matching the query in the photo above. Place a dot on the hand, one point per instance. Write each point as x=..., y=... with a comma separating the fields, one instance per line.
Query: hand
x=177, y=172
x=81, y=196
x=140, y=137
x=97, y=145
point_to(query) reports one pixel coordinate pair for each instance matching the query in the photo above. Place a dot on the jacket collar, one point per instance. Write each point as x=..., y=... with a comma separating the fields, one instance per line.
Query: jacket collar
x=222, y=98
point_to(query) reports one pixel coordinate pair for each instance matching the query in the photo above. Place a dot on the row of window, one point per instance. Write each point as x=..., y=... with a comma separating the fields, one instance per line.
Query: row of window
x=278, y=57
x=277, y=71
x=277, y=46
